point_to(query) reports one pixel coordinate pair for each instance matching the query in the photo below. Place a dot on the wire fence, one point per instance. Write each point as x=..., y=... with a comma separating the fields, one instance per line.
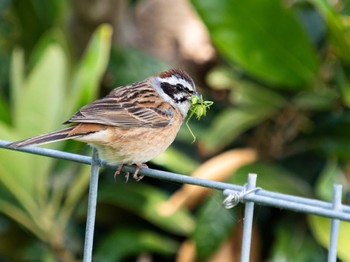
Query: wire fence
x=248, y=194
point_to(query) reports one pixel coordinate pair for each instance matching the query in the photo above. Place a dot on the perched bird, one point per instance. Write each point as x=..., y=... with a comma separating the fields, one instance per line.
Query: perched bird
x=133, y=123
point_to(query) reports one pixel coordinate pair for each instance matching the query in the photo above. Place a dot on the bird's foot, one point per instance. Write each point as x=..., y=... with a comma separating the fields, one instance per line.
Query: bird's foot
x=117, y=172
x=138, y=167
x=127, y=174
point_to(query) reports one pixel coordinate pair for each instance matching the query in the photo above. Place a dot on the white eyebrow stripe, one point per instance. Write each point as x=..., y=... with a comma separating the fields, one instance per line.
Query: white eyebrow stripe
x=173, y=80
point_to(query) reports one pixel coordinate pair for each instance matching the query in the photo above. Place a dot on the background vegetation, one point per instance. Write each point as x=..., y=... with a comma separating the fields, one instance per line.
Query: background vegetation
x=278, y=72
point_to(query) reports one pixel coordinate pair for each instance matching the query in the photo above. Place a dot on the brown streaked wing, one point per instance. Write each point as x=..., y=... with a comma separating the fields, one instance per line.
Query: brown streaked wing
x=127, y=106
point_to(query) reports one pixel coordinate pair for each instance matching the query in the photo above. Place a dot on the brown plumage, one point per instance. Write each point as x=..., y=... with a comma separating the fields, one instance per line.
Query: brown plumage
x=133, y=123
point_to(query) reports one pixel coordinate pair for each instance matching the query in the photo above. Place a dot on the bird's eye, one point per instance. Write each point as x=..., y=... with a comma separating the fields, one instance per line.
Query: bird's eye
x=179, y=87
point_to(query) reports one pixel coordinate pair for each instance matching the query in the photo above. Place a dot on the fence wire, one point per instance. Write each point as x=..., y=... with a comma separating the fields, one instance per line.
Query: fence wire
x=248, y=194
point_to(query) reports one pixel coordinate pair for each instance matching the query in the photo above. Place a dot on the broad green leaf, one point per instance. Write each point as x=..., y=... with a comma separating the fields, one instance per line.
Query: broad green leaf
x=330, y=175
x=320, y=227
x=74, y=191
x=299, y=246
x=39, y=104
x=91, y=69
x=4, y=111
x=13, y=163
x=35, y=102
x=147, y=202
x=263, y=37
x=231, y=123
x=126, y=242
x=20, y=187
x=214, y=225
x=18, y=215
x=54, y=36
x=38, y=109
x=16, y=76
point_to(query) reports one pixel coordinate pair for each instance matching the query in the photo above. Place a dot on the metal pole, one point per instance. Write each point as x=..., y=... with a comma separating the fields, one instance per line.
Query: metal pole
x=262, y=197
x=333, y=241
x=248, y=222
x=91, y=211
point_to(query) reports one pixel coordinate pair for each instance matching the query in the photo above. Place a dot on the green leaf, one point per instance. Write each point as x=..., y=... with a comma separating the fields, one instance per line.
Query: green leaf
x=16, y=75
x=4, y=111
x=77, y=186
x=126, y=242
x=39, y=104
x=91, y=68
x=54, y=36
x=18, y=215
x=330, y=175
x=21, y=188
x=320, y=227
x=214, y=225
x=38, y=109
x=147, y=202
x=299, y=246
x=263, y=37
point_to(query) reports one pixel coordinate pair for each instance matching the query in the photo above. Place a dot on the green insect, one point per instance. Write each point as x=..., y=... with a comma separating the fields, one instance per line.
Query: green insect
x=199, y=108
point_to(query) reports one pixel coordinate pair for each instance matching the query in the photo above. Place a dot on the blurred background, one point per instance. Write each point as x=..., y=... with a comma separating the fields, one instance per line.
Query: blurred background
x=278, y=73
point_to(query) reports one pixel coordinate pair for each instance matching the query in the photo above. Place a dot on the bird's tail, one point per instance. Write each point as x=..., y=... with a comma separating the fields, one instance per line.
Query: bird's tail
x=54, y=136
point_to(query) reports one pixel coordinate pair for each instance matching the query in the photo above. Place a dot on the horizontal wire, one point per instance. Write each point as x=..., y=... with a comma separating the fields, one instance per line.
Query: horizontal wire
x=263, y=197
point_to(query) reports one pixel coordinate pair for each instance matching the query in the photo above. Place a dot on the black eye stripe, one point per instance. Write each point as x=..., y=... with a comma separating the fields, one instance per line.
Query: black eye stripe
x=173, y=91
x=167, y=88
x=189, y=90
x=171, y=88
x=180, y=87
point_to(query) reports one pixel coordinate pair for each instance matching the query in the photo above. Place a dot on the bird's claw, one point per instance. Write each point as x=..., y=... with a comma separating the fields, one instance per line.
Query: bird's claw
x=117, y=172
x=135, y=175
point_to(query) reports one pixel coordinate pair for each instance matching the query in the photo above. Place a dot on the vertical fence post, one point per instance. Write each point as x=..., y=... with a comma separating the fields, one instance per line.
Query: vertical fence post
x=248, y=222
x=91, y=210
x=333, y=241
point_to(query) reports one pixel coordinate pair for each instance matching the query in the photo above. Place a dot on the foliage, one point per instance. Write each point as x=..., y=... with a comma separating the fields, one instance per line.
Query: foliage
x=280, y=88
x=288, y=90
x=38, y=100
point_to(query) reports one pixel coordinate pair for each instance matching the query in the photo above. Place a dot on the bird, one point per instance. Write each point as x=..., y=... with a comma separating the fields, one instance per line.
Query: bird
x=132, y=124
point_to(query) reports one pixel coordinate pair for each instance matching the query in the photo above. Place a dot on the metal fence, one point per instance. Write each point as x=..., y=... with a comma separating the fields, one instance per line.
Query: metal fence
x=248, y=194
